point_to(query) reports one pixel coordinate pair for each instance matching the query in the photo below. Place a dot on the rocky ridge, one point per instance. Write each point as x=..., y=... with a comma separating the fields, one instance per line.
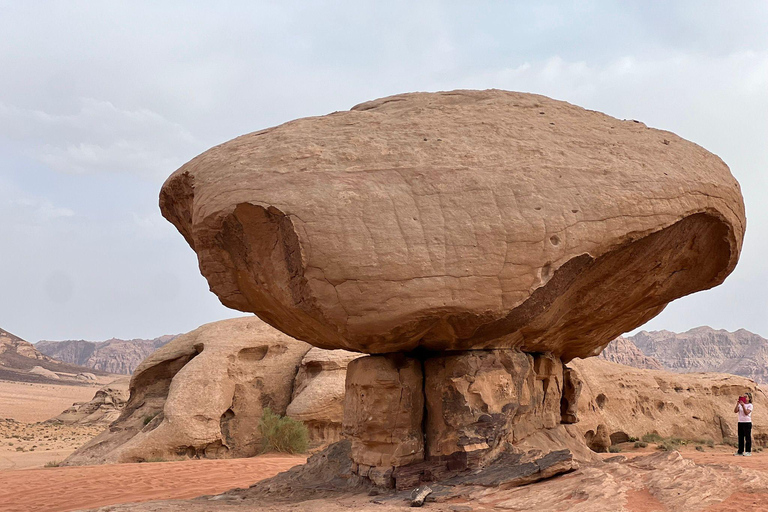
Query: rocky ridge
x=623, y=351
x=21, y=361
x=112, y=356
x=701, y=349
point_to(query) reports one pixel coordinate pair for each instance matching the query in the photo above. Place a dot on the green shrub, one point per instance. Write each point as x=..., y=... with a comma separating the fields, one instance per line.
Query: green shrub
x=280, y=434
x=149, y=418
x=632, y=439
x=614, y=449
x=699, y=448
x=52, y=464
x=640, y=444
x=652, y=437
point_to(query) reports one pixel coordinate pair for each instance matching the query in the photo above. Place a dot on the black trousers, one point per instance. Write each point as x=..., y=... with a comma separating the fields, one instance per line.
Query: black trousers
x=745, y=435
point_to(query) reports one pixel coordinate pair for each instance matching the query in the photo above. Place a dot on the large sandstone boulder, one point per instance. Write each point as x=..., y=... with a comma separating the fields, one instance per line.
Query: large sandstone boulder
x=458, y=220
x=318, y=393
x=202, y=395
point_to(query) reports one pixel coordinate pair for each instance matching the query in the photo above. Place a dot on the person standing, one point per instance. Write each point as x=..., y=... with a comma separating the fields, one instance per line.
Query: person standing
x=744, y=410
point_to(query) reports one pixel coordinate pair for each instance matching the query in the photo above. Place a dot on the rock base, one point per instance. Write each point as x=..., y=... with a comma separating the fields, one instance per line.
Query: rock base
x=422, y=419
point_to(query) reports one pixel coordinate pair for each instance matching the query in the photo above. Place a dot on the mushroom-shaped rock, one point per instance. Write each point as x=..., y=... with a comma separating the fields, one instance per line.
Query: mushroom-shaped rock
x=458, y=220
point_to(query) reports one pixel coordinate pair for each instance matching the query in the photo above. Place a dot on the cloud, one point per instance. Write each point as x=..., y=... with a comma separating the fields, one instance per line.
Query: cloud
x=99, y=137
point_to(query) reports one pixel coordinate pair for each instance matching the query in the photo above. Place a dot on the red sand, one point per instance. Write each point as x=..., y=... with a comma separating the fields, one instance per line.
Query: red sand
x=83, y=487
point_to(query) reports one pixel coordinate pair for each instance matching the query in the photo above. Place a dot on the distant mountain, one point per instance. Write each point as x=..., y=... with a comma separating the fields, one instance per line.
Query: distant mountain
x=20, y=361
x=702, y=349
x=113, y=355
x=623, y=351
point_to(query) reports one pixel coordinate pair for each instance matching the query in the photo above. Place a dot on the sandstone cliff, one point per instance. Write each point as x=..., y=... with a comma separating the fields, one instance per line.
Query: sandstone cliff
x=112, y=356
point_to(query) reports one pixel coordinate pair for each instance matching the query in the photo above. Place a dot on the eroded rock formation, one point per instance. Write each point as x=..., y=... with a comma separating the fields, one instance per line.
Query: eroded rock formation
x=687, y=406
x=102, y=409
x=202, y=395
x=318, y=393
x=472, y=241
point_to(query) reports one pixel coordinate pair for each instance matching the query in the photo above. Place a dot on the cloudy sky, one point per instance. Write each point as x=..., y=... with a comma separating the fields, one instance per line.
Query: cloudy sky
x=101, y=101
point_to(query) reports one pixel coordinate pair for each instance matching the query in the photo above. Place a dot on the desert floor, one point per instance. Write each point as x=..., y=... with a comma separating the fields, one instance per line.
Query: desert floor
x=73, y=488
x=24, y=440
x=28, y=403
x=83, y=487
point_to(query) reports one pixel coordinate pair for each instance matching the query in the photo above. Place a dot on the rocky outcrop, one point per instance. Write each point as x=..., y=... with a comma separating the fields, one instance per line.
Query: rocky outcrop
x=704, y=349
x=688, y=406
x=112, y=356
x=202, y=395
x=12, y=344
x=103, y=409
x=318, y=394
x=623, y=351
x=20, y=361
x=458, y=220
x=598, y=440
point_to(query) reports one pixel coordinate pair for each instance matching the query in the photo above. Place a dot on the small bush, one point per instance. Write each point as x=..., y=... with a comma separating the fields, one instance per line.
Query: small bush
x=614, y=449
x=632, y=439
x=640, y=444
x=280, y=434
x=52, y=464
x=699, y=448
x=149, y=418
x=155, y=459
x=652, y=438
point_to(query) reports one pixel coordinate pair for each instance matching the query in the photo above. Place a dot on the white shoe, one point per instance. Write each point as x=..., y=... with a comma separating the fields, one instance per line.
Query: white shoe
x=747, y=454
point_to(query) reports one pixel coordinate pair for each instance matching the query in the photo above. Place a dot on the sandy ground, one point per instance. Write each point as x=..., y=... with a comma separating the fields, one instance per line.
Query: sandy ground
x=74, y=488
x=29, y=403
x=26, y=445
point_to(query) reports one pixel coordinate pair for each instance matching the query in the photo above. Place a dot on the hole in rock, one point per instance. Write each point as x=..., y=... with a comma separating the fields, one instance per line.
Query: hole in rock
x=601, y=399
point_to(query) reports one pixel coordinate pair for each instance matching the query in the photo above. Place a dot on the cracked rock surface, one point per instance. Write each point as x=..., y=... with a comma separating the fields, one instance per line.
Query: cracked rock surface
x=458, y=220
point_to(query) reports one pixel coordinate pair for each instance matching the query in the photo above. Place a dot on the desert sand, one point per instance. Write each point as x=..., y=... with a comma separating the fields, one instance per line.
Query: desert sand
x=83, y=487
x=27, y=402
x=25, y=441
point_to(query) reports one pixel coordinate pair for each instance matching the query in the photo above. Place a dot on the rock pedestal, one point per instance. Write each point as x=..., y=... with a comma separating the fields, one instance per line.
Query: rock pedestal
x=459, y=412
x=383, y=411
